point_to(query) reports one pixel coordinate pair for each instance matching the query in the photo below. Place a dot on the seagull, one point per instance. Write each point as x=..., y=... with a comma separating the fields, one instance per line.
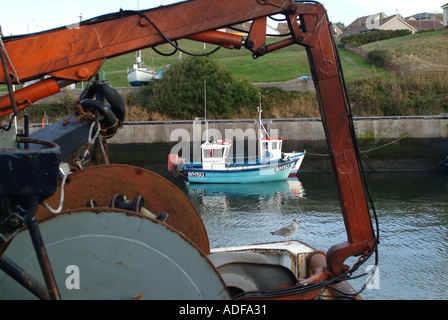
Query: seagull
x=287, y=231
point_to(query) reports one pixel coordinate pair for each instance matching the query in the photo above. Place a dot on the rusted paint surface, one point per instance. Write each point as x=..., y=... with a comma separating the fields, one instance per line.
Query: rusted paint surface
x=64, y=48
x=27, y=95
x=333, y=102
x=101, y=183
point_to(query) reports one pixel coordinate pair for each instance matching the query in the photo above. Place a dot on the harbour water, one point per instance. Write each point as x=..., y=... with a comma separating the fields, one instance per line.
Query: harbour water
x=411, y=207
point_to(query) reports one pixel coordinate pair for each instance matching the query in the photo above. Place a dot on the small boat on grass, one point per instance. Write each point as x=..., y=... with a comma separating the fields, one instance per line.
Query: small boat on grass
x=142, y=74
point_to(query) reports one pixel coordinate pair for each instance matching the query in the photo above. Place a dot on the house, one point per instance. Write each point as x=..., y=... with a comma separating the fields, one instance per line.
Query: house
x=336, y=31
x=425, y=24
x=380, y=21
x=396, y=22
x=425, y=16
x=283, y=28
x=364, y=24
x=244, y=28
x=425, y=21
x=445, y=16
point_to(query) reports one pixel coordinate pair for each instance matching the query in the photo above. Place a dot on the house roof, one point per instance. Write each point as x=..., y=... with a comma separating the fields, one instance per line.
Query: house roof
x=425, y=24
x=359, y=25
x=335, y=30
x=389, y=19
x=445, y=6
x=283, y=28
x=363, y=20
x=426, y=16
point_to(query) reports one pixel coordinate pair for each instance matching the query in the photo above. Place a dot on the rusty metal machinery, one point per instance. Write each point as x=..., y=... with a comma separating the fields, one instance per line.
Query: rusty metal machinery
x=119, y=255
x=102, y=183
x=73, y=55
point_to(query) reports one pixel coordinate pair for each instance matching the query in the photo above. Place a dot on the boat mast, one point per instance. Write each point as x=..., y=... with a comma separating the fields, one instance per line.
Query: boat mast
x=261, y=129
x=205, y=108
x=260, y=134
x=139, y=54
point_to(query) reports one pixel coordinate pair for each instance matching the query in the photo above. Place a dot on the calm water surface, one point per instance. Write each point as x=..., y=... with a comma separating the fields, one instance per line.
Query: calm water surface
x=411, y=207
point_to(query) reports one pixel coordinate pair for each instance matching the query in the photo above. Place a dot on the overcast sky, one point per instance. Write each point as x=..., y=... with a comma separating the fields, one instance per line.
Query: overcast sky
x=19, y=16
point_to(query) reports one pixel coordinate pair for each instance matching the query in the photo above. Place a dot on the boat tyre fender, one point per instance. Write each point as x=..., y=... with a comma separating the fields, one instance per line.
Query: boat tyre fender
x=110, y=121
x=111, y=95
x=116, y=103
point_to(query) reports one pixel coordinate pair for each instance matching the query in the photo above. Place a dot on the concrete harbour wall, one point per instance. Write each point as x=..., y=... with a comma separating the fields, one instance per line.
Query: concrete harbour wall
x=386, y=143
x=293, y=129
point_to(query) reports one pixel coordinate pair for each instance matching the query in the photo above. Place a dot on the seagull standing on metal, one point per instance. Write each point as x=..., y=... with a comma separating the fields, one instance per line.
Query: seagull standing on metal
x=287, y=231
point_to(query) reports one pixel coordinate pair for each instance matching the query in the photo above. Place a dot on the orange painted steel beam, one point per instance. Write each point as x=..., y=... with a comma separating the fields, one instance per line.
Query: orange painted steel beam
x=28, y=95
x=333, y=102
x=95, y=40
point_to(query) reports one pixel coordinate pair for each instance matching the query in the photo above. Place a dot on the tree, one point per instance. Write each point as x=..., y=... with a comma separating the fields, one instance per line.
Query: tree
x=180, y=92
x=341, y=26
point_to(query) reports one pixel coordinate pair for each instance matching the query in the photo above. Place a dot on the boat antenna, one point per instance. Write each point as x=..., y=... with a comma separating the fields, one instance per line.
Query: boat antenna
x=262, y=128
x=205, y=108
x=259, y=115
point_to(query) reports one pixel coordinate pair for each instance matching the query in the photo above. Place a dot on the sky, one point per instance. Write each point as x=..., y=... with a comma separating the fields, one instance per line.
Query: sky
x=23, y=16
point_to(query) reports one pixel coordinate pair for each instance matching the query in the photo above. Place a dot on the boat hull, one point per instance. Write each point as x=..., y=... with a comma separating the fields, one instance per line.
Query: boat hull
x=138, y=77
x=244, y=174
x=296, y=167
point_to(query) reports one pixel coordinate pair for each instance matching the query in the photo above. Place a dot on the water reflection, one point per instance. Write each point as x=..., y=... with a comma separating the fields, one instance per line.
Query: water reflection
x=412, y=211
x=413, y=215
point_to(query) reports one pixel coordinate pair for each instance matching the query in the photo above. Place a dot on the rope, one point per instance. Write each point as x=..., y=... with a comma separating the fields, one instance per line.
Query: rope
x=91, y=140
x=381, y=137
x=405, y=136
x=61, y=200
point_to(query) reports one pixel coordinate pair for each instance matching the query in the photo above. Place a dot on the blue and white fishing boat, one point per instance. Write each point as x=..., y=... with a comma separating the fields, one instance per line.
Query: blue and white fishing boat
x=217, y=167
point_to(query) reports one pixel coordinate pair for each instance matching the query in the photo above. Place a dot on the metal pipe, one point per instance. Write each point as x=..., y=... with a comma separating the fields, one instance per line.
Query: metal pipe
x=219, y=38
x=8, y=79
x=103, y=150
x=317, y=260
x=42, y=256
x=23, y=278
x=28, y=95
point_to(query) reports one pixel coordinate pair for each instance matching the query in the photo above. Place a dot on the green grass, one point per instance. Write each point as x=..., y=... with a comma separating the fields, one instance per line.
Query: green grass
x=283, y=65
x=419, y=52
x=426, y=51
x=362, y=68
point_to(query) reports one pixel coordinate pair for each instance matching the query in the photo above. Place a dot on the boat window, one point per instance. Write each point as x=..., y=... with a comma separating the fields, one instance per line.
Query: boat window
x=208, y=153
x=280, y=145
x=266, y=145
x=218, y=153
x=274, y=145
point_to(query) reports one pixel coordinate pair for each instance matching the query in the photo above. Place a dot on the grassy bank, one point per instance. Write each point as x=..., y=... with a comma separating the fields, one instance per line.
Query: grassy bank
x=372, y=91
x=390, y=95
x=418, y=52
